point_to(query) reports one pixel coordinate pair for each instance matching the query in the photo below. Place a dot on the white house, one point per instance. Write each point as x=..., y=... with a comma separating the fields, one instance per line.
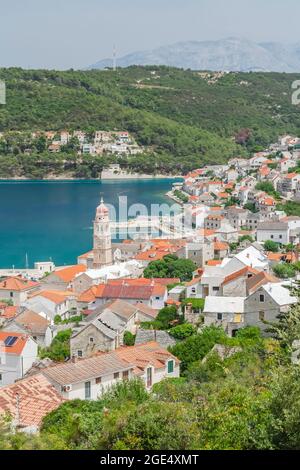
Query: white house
x=50, y=303
x=93, y=277
x=278, y=232
x=18, y=352
x=194, y=289
x=87, y=379
x=16, y=289
x=143, y=291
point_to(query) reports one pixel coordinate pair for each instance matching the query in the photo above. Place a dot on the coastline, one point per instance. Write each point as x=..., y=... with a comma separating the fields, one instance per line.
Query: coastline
x=106, y=177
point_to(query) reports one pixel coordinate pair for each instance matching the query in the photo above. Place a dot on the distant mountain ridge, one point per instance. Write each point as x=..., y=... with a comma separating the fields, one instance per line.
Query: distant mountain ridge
x=231, y=54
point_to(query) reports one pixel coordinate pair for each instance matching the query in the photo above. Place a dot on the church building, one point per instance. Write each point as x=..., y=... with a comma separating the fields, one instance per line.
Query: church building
x=102, y=249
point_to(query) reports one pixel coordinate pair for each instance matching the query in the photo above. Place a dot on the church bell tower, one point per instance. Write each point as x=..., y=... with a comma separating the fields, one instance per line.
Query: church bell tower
x=102, y=238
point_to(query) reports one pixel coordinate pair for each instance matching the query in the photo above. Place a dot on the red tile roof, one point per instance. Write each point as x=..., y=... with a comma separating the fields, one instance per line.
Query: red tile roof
x=36, y=398
x=221, y=246
x=55, y=296
x=68, y=274
x=144, y=354
x=8, y=312
x=241, y=273
x=213, y=262
x=17, y=284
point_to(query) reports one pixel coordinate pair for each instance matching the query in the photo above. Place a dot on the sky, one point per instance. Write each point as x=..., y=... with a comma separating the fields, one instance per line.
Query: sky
x=64, y=34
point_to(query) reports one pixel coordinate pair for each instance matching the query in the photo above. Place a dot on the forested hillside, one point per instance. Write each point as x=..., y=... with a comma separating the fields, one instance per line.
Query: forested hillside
x=183, y=118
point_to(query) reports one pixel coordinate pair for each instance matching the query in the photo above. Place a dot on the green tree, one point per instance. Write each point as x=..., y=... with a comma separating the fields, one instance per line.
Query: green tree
x=197, y=346
x=171, y=266
x=272, y=246
x=60, y=347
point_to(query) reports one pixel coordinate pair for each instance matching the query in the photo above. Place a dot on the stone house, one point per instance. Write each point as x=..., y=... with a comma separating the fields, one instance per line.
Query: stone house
x=104, y=328
x=226, y=312
x=235, y=284
x=200, y=252
x=266, y=304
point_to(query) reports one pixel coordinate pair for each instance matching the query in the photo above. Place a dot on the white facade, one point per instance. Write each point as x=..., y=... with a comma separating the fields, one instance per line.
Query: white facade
x=277, y=235
x=14, y=366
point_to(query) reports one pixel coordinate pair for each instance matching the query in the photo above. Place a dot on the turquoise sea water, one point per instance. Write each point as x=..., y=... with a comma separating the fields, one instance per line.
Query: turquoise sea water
x=46, y=219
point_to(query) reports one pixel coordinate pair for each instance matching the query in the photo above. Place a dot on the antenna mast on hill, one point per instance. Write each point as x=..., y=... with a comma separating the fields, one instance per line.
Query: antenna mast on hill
x=114, y=58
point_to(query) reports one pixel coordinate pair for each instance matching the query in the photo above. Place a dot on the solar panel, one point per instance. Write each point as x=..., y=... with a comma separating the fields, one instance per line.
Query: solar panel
x=10, y=341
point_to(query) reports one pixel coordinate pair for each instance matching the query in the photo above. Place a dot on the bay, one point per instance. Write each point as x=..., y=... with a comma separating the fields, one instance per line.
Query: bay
x=53, y=219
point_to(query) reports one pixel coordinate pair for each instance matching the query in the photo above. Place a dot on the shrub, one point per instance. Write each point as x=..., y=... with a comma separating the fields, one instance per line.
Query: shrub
x=284, y=270
x=129, y=338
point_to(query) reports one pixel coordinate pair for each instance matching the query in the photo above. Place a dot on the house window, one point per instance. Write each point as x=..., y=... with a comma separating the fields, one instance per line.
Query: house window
x=272, y=236
x=262, y=316
x=79, y=353
x=11, y=294
x=170, y=367
x=125, y=375
x=149, y=377
x=280, y=237
x=194, y=290
x=0, y=377
x=261, y=298
x=91, y=339
x=98, y=380
x=156, y=298
x=216, y=289
x=220, y=316
x=116, y=375
x=87, y=390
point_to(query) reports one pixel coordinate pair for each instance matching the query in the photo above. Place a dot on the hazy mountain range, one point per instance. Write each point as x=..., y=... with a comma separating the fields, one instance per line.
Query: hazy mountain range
x=231, y=54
